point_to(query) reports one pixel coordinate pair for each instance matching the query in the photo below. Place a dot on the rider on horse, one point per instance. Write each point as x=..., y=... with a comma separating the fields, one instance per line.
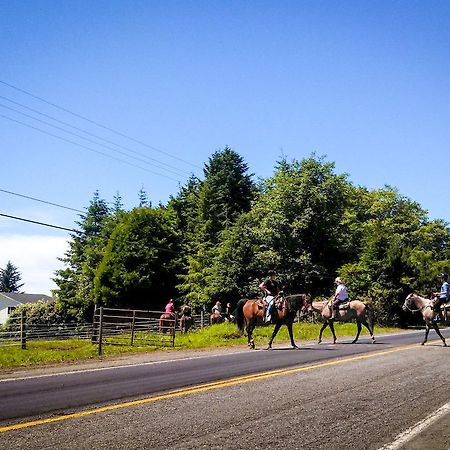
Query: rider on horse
x=271, y=290
x=170, y=307
x=340, y=296
x=441, y=296
x=217, y=308
x=186, y=310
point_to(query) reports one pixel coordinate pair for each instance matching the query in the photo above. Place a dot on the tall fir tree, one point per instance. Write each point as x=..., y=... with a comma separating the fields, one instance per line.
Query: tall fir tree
x=10, y=278
x=76, y=281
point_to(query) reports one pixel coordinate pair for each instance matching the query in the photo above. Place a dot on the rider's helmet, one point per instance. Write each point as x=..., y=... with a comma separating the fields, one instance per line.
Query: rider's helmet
x=444, y=276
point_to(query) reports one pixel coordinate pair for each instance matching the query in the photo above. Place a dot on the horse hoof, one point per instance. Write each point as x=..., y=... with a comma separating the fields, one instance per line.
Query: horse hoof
x=423, y=343
x=320, y=341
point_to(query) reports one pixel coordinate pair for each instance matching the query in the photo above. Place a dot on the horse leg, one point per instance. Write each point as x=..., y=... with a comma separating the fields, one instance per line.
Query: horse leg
x=249, y=329
x=358, y=325
x=291, y=335
x=366, y=324
x=427, y=330
x=275, y=331
x=332, y=330
x=321, y=331
x=436, y=328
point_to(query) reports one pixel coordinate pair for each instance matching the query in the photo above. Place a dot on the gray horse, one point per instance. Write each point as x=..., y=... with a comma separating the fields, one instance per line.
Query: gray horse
x=355, y=309
x=414, y=303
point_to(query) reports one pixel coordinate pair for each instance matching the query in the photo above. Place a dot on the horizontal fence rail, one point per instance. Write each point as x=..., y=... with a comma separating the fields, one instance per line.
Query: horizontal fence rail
x=14, y=334
x=130, y=326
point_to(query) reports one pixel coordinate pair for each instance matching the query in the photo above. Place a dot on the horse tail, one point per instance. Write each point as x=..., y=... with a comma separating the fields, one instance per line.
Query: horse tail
x=239, y=313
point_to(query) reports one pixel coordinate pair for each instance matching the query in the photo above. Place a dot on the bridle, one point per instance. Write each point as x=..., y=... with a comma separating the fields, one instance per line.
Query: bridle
x=405, y=306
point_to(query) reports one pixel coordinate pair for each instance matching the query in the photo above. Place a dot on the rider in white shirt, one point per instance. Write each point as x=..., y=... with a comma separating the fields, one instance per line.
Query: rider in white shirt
x=340, y=296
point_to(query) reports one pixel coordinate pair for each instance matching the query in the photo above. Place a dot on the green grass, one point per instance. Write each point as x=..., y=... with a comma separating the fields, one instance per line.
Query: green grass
x=223, y=335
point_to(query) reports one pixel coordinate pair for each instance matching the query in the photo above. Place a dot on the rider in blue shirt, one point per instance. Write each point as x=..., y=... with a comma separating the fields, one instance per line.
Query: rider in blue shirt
x=441, y=296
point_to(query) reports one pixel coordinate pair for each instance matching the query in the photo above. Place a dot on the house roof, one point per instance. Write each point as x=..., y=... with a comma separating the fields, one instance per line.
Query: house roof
x=24, y=298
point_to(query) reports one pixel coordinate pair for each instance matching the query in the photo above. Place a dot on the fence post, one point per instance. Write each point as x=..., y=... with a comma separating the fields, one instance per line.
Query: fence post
x=132, y=326
x=100, y=331
x=173, y=331
x=23, y=332
x=201, y=318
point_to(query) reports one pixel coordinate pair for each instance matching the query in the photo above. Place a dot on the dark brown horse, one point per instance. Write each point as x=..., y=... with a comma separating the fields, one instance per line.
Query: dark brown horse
x=167, y=322
x=186, y=323
x=250, y=311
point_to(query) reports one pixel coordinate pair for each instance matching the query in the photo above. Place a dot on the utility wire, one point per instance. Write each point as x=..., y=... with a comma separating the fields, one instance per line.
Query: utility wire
x=42, y=201
x=75, y=231
x=86, y=147
x=83, y=131
x=39, y=223
x=85, y=138
x=97, y=123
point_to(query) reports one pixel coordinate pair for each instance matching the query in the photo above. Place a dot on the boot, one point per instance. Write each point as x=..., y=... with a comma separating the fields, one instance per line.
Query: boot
x=333, y=312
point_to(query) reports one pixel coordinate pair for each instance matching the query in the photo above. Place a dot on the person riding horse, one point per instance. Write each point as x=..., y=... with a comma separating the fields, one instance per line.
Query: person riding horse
x=271, y=290
x=441, y=296
x=340, y=296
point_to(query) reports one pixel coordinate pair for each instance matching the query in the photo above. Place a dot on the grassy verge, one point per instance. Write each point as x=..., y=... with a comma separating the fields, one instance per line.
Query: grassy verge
x=60, y=351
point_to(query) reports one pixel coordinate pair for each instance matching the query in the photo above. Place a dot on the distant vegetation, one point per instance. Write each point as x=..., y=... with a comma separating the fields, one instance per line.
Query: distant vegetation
x=218, y=237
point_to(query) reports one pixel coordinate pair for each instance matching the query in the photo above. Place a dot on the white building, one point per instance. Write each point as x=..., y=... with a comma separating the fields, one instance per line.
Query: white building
x=9, y=301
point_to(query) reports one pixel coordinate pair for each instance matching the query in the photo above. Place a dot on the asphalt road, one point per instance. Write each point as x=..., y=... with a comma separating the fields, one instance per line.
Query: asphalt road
x=342, y=396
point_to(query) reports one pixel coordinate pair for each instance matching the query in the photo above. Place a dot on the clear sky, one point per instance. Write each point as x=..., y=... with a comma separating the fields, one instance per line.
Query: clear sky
x=365, y=83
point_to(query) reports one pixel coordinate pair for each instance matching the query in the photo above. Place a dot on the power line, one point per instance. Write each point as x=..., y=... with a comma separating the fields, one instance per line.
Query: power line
x=85, y=138
x=86, y=147
x=97, y=123
x=83, y=131
x=39, y=223
x=76, y=231
x=42, y=201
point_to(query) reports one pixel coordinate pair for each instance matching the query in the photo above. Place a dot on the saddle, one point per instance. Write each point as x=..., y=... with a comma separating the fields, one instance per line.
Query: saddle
x=341, y=306
x=280, y=302
x=261, y=303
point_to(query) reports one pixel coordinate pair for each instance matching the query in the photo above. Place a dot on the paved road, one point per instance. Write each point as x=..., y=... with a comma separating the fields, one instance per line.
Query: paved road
x=343, y=396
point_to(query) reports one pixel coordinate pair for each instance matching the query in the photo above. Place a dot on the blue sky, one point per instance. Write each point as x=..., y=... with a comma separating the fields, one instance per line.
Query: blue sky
x=364, y=83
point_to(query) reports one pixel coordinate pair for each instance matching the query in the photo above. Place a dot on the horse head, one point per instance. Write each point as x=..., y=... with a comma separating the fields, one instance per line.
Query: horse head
x=306, y=307
x=408, y=301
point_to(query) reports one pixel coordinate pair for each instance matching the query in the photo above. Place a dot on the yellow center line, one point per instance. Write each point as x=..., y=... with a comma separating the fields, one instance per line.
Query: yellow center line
x=203, y=388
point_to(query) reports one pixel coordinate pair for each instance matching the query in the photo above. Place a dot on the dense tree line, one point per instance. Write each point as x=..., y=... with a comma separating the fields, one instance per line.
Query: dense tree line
x=218, y=237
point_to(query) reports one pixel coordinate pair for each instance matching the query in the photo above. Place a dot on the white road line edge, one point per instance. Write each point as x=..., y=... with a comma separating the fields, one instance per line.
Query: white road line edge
x=123, y=366
x=187, y=358
x=416, y=429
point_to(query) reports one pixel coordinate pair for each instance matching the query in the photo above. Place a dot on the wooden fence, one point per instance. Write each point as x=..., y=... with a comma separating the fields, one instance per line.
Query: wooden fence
x=132, y=327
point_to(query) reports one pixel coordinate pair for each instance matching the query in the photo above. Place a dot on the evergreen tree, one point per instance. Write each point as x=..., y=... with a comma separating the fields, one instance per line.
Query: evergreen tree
x=10, y=278
x=76, y=281
x=225, y=193
x=140, y=263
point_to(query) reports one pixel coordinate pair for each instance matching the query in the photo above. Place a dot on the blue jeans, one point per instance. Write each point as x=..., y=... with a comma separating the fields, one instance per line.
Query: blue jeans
x=269, y=299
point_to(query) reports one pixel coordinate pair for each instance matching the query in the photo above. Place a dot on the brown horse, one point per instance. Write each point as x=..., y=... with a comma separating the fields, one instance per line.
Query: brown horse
x=186, y=322
x=249, y=312
x=355, y=309
x=167, y=322
x=215, y=318
x=414, y=303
